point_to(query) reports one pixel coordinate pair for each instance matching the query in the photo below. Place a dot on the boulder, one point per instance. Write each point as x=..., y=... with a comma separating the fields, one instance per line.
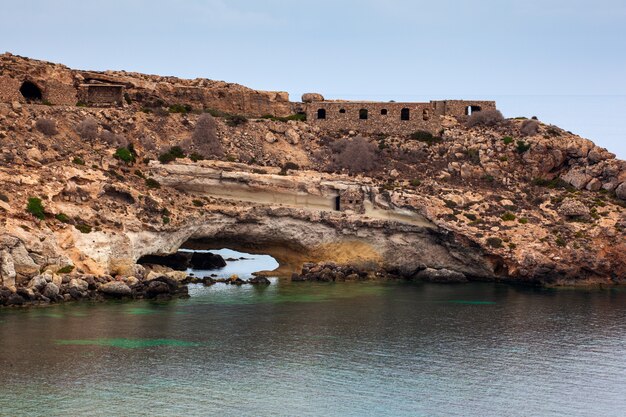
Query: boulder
x=259, y=280
x=51, y=291
x=178, y=261
x=38, y=282
x=270, y=137
x=620, y=191
x=577, y=178
x=312, y=97
x=293, y=137
x=79, y=284
x=440, y=276
x=207, y=261
x=115, y=289
x=573, y=208
x=157, y=287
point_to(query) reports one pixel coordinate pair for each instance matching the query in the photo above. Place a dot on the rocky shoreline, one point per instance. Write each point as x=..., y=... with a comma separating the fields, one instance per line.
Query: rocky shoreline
x=49, y=288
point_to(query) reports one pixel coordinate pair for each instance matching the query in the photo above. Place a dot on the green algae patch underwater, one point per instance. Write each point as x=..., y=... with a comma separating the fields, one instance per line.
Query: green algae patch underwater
x=127, y=343
x=472, y=302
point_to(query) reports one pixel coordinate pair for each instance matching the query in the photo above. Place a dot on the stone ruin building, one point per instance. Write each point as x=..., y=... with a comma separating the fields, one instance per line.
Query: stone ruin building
x=31, y=81
x=390, y=118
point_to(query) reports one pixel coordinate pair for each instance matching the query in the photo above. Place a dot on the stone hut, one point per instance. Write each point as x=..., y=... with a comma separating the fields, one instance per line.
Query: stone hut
x=351, y=199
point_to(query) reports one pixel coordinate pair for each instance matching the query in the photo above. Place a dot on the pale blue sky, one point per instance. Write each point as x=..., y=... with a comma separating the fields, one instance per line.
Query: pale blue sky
x=562, y=60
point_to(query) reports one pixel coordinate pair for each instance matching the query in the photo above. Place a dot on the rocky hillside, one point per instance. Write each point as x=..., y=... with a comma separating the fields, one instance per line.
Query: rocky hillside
x=90, y=191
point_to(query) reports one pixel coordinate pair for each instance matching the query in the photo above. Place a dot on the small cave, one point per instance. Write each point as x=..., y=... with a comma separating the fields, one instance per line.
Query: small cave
x=31, y=91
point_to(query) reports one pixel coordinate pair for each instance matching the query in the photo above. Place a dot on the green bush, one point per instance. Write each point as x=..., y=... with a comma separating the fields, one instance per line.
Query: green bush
x=83, y=228
x=508, y=216
x=287, y=166
x=415, y=183
x=560, y=241
x=4, y=198
x=180, y=108
x=62, y=217
x=299, y=117
x=495, y=242
x=152, y=183
x=124, y=154
x=522, y=146
x=425, y=136
x=198, y=203
x=236, y=120
x=471, y=216
x=195, y=157
x=35, y=207
x=166, y=220
x=507, y=140
x=66, y=269
x=78, y=160
x=523, y=220
x=174, y=153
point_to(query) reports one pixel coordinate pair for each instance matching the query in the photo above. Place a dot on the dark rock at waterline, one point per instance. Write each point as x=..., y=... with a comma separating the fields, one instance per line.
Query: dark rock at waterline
x=15, y=300
x=208, y=281
x=259, y=281
x=157, y=287
x=330, y=272
x=206, y=261
x=178, y=261
x=440, y=275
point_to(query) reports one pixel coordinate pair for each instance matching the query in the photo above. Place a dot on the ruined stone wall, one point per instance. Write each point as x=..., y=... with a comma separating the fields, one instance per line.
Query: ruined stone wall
x=102, y=94
x=458, y=108
x=389, y=118
x=381, y=117
x=59, y=93
x=236, y=101
x=10, y=89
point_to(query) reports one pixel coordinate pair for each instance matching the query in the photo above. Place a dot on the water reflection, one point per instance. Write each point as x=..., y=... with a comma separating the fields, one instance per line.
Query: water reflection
x=313, y=349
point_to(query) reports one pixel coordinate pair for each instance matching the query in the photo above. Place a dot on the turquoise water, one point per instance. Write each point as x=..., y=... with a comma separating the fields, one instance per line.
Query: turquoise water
x=311, y=349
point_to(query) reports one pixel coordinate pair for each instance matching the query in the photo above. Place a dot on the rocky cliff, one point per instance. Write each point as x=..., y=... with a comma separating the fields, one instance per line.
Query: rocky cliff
x=91, y=190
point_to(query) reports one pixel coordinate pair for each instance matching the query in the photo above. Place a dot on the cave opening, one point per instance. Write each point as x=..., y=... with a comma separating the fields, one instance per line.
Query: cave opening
x=31, y=92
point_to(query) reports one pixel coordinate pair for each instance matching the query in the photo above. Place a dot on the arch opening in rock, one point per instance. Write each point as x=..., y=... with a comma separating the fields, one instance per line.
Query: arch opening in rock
x=31, y=92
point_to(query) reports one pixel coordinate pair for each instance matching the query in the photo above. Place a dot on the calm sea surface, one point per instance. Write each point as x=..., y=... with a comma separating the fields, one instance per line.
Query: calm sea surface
x=309, y=349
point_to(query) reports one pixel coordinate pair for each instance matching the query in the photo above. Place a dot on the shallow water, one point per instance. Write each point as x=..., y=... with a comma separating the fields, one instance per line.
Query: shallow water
x=311, y=349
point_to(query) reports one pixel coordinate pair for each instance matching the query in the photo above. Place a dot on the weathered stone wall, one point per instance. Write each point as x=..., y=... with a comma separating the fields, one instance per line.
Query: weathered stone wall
x=9, y=89
x=59, y=93
x=102, y=94
x=390, y=118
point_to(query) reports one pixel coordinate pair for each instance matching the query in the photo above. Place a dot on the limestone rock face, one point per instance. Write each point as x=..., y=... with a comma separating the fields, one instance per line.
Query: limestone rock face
x=7, y=269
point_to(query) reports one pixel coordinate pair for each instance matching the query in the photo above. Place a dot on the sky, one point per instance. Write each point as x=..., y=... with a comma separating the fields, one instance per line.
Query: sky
x=561, y=60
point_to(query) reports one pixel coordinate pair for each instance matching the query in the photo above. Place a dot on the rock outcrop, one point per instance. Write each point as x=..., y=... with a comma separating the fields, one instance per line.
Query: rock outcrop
x=486, y=202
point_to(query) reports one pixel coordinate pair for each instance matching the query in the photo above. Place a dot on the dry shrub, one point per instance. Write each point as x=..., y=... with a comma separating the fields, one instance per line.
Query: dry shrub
x=204, y=137
x=112, y=139
x=88, y=129
x=485, y=118
x=356, y=155
x=529, y=127
x=46, y=126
